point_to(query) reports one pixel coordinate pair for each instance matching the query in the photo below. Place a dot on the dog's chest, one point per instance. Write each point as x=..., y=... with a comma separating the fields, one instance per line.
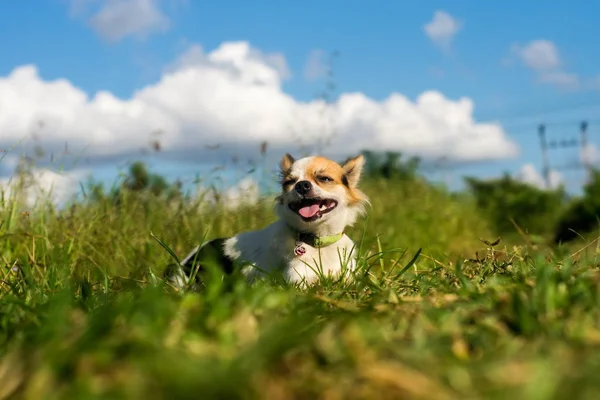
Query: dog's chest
x=299, y=261
x=276, y=250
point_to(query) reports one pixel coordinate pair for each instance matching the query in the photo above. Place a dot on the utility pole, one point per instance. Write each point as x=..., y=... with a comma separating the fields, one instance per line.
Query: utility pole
x=564, y=143
x=545, y=162
x=584, y=147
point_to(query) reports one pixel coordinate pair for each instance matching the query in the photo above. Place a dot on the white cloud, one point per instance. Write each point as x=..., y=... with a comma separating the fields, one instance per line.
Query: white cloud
x=590, y=154
x=233, y=96
x=542, y=57
x=41, y=185
x=560, y=79
x=245, y=192
x=117, y=19
x=316, y=65
x=530, y=175
x=538, y=54
x=240, y=56
x=442, y=29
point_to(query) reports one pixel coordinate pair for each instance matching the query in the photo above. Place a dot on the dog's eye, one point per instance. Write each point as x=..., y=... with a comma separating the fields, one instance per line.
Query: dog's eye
x=288, y=182
x=324, y=179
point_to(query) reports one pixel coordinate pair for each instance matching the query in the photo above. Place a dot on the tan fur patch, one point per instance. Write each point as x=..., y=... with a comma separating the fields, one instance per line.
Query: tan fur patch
x=327, y=173
x=285, y=168
x=286, y=163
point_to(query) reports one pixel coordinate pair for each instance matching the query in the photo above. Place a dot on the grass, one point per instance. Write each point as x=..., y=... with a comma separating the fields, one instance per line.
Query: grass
x=83, y=314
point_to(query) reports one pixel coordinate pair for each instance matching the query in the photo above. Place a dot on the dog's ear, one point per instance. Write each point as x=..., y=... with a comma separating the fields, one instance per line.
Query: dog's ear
x=352, y=169
x=286, y=163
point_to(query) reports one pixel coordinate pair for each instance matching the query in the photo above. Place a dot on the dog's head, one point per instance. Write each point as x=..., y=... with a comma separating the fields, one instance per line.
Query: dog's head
x=319, y=195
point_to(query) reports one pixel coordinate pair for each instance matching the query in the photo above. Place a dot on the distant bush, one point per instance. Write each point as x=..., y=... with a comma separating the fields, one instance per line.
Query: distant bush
x=390, y=165
x=410, y=212
x=581, y=216
x=533, y=210
x=138, y=182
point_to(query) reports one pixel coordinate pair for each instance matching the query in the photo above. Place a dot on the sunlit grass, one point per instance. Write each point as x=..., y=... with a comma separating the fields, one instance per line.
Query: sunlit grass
x=434, y=312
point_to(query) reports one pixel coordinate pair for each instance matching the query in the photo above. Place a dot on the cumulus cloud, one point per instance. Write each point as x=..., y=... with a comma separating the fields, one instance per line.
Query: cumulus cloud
x=442, y=29
x=316, y=65
x=560, y=79
x=240, y=56
x=243, y=193
x=542, y=56
x=530, y=175
x=589, y=155
x=232, y=96
x=42, y=184
x=117, y=19
x=538, y=54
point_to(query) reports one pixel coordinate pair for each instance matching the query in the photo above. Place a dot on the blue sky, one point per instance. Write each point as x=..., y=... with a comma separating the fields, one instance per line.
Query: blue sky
x=488, y=56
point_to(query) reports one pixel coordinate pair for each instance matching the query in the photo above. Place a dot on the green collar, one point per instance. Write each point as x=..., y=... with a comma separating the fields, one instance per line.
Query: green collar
x=319, y=241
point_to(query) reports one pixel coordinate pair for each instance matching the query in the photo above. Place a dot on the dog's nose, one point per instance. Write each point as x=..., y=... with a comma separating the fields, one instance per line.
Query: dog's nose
x=303, y=187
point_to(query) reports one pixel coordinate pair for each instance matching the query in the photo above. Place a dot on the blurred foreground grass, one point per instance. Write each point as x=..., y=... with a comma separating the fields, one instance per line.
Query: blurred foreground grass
x=83, y=314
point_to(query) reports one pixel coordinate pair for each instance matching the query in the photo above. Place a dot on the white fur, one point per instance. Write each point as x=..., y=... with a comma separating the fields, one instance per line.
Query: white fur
x=271, y=249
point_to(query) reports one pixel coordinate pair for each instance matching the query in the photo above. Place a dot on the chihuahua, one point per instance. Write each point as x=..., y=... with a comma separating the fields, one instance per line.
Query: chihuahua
x=319, y=198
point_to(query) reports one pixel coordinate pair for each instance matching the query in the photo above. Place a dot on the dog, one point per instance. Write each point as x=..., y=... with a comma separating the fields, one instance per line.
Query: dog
x=319, y=199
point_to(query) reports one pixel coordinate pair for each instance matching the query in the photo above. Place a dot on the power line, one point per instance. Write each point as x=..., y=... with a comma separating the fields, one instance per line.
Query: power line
x=563, y=144
x=526, y=127
x=542, y=112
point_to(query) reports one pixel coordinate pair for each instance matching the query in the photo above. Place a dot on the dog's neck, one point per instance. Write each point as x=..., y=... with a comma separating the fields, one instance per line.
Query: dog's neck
x=314, y=239
x=318, y=241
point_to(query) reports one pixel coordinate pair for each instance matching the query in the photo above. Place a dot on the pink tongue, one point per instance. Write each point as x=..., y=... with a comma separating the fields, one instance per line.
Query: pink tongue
x=309, y=211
